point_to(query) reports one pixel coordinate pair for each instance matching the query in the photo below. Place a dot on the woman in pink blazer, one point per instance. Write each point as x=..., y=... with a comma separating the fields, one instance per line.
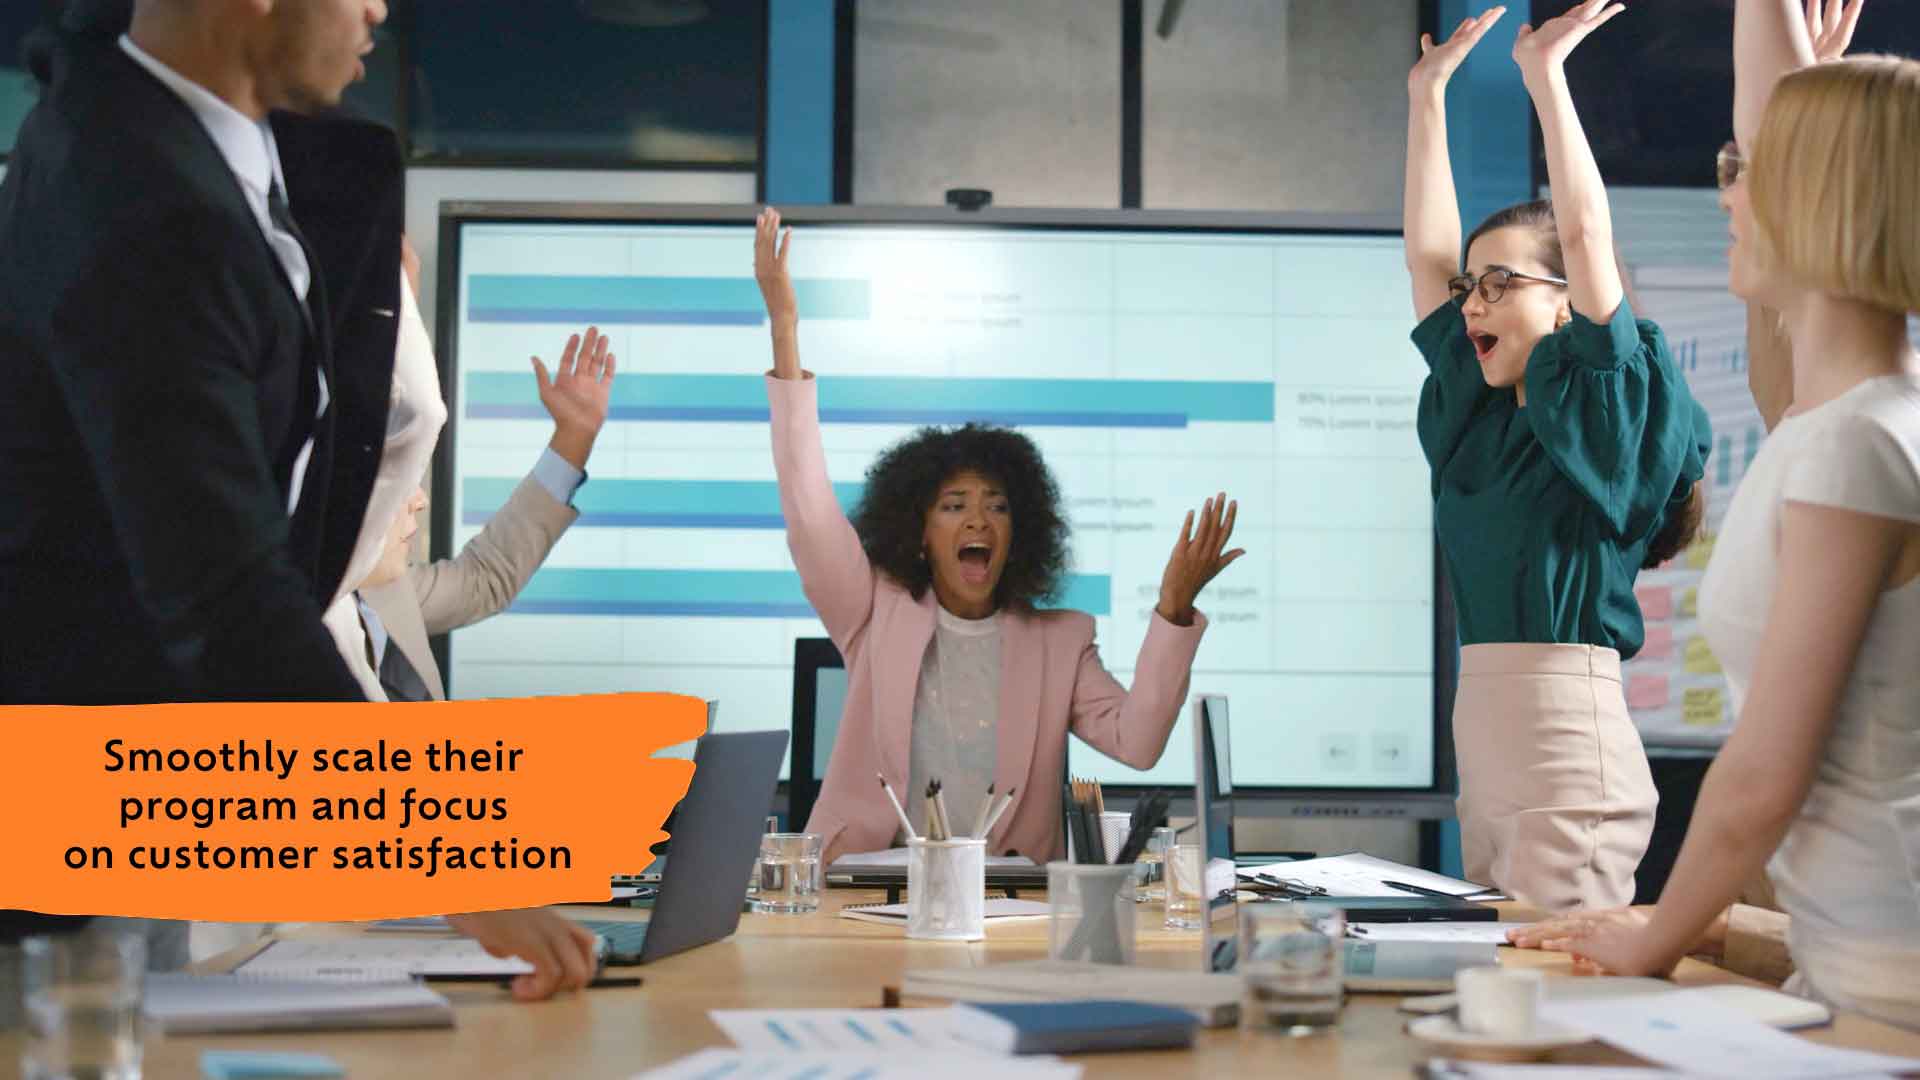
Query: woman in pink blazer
x=954, y=673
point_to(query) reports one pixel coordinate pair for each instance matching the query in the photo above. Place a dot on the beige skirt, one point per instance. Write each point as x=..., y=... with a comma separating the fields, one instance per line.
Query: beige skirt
x=1556, y=800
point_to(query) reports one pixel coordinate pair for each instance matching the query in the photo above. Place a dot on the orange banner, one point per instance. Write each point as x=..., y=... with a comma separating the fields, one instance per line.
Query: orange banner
x=296, y=812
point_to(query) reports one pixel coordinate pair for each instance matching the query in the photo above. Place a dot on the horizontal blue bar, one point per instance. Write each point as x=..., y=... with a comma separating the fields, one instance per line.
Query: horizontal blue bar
x=908, y=399
x=615, y=317
x=818, y=298
x=856, y=416
x=742, y=593
x=663, y=607
x=659, y=504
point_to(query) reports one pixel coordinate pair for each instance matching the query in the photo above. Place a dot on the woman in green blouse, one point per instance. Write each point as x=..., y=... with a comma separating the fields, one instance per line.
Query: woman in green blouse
x=1566, y=455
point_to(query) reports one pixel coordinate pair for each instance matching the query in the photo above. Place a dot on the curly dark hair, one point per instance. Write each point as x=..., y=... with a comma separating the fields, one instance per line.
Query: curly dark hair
x=905, y=481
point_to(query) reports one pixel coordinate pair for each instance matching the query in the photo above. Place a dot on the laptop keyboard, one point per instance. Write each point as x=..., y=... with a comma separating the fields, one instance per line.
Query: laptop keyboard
x=623, y=939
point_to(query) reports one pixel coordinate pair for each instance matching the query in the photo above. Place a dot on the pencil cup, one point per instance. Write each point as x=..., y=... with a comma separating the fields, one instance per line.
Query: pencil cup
x=947, y=889
x=1114, y=826
x=1090, y=912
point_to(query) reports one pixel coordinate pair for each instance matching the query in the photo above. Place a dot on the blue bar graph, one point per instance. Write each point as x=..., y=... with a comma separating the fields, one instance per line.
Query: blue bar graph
x=769, y=594
x=656, y=504
x=888, y=399
x=643, y=301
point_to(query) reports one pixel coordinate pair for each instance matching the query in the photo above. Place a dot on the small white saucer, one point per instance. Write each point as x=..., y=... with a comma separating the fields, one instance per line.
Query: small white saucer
x=1447, y=1034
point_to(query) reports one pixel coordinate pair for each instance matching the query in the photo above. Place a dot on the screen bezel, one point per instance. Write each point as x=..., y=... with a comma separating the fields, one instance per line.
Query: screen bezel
x=1431, y=801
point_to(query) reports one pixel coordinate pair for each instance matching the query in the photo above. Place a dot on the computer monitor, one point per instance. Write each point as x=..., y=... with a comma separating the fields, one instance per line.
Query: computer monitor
x=1213, y=821
x=1154, y=357
x=819, y=695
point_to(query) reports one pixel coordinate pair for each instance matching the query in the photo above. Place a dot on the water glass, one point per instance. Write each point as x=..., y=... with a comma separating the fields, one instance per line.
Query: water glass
x=83, y=994
x=1151, y=886
x=789, y=874
x=1090, y=913
x=1186, y=902
x=1291, y=967
x=753, y=879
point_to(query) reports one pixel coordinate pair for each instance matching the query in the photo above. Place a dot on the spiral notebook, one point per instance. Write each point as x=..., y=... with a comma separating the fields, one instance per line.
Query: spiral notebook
x=998, y=910
x=202, y=1004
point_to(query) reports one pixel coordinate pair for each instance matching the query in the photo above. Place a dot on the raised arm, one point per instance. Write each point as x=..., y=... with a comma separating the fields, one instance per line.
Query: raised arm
x=1579, y=196
x=834, y=569
x=1771, y=39
x=1432, y=220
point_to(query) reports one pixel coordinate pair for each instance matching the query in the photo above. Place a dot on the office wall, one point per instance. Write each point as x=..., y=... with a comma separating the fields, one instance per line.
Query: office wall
x=1248, y=104
x=1256, y=105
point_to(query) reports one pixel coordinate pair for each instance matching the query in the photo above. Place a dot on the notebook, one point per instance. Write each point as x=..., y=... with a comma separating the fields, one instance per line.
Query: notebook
x=372, y=956
x=998, y=909
x=200, y=1004
x=1213, y=1000
x=1073, y=1027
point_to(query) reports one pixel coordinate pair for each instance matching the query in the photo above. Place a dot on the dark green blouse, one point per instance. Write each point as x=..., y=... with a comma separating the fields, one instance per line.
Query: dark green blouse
x=1545, y=512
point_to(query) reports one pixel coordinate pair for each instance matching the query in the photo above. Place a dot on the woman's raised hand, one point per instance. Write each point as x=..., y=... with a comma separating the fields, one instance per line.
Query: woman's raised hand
x=1437, y=63
x=1830, y=25
x=1540, y=52
x=770, y=246
x=1198, y=555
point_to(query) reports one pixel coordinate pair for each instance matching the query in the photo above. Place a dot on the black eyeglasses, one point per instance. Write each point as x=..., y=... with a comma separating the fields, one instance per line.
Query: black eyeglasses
x=1728, y=164
x=1493, y=283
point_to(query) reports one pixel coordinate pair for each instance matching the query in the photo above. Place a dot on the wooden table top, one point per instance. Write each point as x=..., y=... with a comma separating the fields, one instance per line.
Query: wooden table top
x=821, y=960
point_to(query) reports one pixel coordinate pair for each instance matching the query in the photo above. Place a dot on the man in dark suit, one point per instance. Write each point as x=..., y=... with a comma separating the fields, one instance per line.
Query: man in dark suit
x=196, y=384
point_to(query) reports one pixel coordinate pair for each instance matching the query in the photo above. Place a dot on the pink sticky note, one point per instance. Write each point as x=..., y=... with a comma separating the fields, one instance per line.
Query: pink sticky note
x=1647, y=692
x=1655, y=602
x=1659, y=643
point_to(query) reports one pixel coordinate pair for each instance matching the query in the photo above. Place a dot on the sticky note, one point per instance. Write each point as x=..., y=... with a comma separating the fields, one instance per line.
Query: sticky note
x=1656, y=601
x=1700, y=658
x=1659, y=643
x=266, y=1064
x=1648, y=692
x=1703, y=707
x=1699, y=552
x=1690, y=604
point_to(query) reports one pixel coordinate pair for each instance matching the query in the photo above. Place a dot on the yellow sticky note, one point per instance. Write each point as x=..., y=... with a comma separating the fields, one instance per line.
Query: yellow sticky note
x=1700, y=658
x=1699, y=552
x=1703, y=707
x=1690, y=604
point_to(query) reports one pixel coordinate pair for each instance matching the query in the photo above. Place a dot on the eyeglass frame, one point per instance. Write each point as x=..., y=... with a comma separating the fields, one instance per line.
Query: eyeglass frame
x=1729, y=165
x=1472, y=283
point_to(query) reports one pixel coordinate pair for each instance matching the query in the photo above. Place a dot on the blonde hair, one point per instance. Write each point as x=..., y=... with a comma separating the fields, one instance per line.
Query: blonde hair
x=1835, y=180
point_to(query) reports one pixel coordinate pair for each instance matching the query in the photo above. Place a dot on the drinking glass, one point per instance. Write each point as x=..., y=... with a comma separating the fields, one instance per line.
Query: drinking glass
x=1291, y=967
x=789, y=874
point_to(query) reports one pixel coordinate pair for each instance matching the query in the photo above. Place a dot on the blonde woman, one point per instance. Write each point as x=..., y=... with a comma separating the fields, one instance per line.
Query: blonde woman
x=1812, y=602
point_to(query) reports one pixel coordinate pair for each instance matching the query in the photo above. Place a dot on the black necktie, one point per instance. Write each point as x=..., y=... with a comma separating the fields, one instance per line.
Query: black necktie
x=282, y=217
x=399, y=678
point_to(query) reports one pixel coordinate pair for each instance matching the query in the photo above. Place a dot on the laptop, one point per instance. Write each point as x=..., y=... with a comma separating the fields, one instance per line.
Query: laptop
x=1213, y=818
x=716, y=837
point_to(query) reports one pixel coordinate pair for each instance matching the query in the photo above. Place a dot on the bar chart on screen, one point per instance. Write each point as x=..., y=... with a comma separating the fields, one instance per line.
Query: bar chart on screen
x=1152, y=370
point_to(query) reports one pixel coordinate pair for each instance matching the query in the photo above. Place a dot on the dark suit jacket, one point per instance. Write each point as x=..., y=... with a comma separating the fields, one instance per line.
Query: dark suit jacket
x=159, y=382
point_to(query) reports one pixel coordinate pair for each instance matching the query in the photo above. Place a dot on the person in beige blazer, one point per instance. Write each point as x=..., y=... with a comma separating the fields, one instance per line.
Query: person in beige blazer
x=402, y=605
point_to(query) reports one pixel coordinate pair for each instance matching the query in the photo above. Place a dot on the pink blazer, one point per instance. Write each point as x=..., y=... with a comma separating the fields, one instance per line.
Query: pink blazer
x=1051, y=677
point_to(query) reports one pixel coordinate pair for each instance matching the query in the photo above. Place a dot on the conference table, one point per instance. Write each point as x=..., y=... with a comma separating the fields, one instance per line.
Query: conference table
x=820, y=960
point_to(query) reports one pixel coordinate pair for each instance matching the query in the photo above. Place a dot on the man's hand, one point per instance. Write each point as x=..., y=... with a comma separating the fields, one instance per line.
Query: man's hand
x=561, y=951
x=576, y=395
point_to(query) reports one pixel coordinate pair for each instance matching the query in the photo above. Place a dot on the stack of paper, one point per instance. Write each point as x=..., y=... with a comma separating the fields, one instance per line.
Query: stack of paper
x=380, y=955
x=763, y=1065
x=1693, y=1032
x=1355, y=874
x=999, y=909
x=195, y=1004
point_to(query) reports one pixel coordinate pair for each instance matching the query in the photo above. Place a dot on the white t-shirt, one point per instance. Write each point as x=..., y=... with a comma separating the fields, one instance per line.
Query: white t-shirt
x=1849, y=869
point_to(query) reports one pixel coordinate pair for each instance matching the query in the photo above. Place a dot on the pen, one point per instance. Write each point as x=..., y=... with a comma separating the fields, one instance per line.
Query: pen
x=598, y=982
x=1418, y=890
x=897, y=808
x=980, y=819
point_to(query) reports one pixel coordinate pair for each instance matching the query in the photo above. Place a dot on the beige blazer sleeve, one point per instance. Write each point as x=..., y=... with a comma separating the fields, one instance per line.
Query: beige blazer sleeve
x=494, y=566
